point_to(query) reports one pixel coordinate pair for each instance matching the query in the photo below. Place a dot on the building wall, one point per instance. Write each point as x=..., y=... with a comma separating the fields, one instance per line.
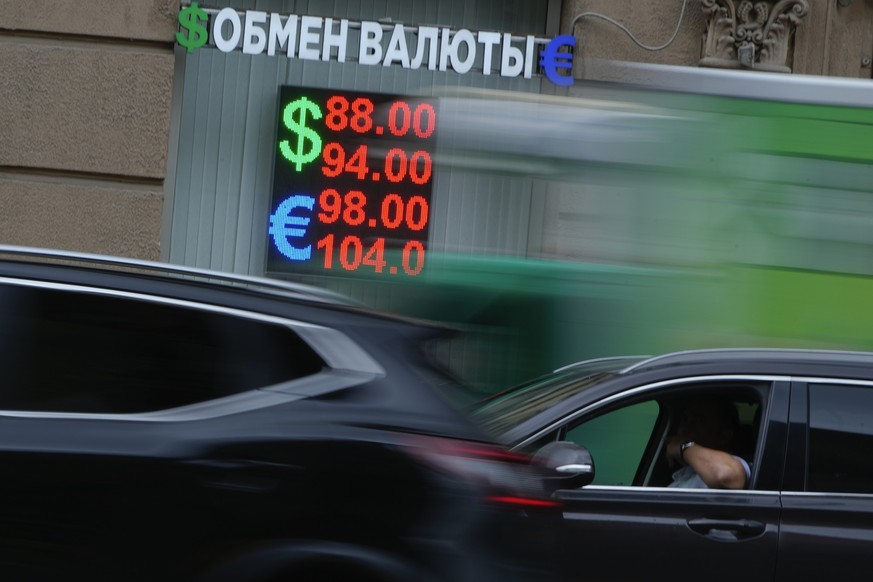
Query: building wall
x=836, y=41
x=86, y=90
x=652, y=22
x=218, y=195
x=831, y=40
x=85, y=96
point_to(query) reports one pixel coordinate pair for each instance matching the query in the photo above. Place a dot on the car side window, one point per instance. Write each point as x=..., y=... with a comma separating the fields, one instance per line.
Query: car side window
x=629, y=444
x=840, y=439
x=69, y=351
x=617, y=440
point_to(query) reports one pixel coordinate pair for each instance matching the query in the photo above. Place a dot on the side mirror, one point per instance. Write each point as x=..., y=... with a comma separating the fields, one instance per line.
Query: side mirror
x=565, y=465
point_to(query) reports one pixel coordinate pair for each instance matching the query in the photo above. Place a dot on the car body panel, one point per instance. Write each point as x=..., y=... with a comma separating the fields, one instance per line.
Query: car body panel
x=630, y=533
x=809, y=505
x=738, y=528
x=201, y=419
x=832, y=528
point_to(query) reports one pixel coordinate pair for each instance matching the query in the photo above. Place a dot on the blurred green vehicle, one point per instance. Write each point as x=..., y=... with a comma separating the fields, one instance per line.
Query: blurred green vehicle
x=700, y=208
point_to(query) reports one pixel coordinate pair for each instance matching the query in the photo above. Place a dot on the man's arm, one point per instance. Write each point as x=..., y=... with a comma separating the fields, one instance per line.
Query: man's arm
x=718, y=469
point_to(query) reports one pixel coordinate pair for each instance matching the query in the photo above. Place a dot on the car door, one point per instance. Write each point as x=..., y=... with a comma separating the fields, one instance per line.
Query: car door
x=828, y=499
x=624, y=531
x=90, y=468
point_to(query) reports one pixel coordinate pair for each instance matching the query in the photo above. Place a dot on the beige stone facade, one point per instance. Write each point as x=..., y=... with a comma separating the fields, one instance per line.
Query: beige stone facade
x=86, y=90
x=85, y=98
x=833, y=37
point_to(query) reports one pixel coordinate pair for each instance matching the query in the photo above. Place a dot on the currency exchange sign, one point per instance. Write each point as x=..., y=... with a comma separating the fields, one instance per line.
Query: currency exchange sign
x=552, y=59
x=352, y=182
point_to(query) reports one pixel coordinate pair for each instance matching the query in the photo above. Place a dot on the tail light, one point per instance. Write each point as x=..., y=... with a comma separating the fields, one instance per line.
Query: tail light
x=503, y=477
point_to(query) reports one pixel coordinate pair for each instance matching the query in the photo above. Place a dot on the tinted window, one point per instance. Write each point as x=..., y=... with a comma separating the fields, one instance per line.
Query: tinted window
x=79, y=352
x=617, y=441
x=840, y=439
x=628, y=443
x=509, y=409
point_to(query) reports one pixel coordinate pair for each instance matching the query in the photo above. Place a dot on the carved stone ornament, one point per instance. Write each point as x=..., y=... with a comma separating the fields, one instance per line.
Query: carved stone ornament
x=755, y=35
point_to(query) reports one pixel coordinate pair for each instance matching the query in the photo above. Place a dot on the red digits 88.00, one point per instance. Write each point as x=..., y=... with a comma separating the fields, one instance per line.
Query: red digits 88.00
x=361, y=119
x=336, y=119
x=401, y=118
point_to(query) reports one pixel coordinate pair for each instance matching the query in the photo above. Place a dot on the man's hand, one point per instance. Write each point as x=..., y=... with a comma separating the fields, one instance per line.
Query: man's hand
x=673, y=450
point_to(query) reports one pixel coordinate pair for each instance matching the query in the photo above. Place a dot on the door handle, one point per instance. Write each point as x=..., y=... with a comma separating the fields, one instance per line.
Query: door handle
x=727, y=529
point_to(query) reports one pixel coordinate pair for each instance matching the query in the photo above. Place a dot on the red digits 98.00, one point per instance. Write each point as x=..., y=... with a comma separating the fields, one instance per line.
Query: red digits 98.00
x=393, y=213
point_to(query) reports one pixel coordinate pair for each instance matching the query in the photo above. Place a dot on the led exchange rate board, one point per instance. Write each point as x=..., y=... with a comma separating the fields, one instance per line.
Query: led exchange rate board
x=352, y=182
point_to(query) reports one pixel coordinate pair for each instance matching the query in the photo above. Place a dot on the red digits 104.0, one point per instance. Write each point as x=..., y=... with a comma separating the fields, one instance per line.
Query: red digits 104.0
x=353, y=255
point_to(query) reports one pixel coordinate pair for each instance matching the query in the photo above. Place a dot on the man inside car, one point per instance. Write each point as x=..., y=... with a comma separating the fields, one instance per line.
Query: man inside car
x=700, y=447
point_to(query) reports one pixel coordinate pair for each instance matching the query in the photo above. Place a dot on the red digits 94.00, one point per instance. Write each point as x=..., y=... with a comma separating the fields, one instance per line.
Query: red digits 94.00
x=335, y=162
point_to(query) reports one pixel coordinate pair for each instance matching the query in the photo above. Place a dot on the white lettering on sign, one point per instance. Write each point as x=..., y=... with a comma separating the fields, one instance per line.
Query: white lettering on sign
x=254, y=37
x=222, y=43
x=337, y=40
x=463, y=43
x=255, y=32
x=397, y=51
x=371, y=44
x=282, y=35
x=513, y=60
x=488, y=40
x=310, y=28
x=429, y=35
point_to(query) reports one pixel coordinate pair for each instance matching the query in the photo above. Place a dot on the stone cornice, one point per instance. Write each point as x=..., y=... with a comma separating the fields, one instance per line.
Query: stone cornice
x=754, y=35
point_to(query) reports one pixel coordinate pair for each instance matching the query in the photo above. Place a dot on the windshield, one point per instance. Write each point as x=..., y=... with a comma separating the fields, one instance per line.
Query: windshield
x=512, y=407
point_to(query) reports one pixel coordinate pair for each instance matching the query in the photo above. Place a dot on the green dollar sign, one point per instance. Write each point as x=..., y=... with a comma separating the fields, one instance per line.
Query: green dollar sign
x=189, y=19
x=299, y=156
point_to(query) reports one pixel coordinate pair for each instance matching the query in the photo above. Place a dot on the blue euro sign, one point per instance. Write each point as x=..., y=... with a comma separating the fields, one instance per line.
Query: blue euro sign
x=283, y=223
x=551, y=60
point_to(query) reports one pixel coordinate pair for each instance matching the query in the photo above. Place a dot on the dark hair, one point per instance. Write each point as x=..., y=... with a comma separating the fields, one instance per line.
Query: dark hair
x=722, y=409
x=725, y=410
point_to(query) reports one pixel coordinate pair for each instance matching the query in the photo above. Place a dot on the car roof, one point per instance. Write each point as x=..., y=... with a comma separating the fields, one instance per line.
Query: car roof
x=756, y=355
x=33, y=255
x=307, y=306
x=784, y=358
x=553, y=395
x=134, y=271
x=609, y=364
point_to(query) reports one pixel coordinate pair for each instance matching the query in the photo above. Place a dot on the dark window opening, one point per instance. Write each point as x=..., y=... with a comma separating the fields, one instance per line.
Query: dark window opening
x=64, y=351
x=840, y=439
x=627, y=440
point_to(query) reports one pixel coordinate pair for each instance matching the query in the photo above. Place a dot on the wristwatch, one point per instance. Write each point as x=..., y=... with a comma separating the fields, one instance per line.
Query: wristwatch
x=682, y=448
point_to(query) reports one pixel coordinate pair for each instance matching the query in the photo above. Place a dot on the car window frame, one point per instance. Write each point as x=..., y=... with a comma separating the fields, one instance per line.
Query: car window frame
x=345, y=362
x=797, y=459
x=764, y=477
x=656, y=436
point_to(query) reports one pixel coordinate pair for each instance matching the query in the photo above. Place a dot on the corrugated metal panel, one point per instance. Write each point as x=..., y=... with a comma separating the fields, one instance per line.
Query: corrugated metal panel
x=218, y=200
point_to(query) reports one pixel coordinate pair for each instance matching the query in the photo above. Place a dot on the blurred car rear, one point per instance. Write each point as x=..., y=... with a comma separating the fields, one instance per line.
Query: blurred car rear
x=159, y=421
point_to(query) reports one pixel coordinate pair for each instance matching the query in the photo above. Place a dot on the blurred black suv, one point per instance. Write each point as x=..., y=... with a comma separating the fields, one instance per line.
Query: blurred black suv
x=805, y=427
x=160, y=422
